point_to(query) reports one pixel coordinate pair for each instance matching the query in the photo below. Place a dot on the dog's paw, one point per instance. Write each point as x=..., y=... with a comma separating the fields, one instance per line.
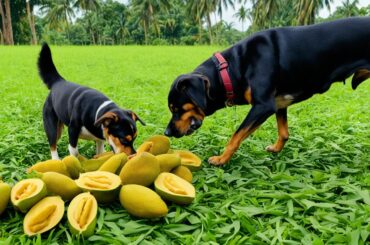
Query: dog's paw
x=217, y=161
x=273, y=149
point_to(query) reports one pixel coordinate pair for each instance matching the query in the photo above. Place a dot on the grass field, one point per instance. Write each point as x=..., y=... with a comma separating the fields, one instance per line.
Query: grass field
x=316, y=191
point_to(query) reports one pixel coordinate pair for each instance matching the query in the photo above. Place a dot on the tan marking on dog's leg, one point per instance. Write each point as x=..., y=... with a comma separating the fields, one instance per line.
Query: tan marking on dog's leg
x=282, y=125
x=232, y=146
x=248, y=95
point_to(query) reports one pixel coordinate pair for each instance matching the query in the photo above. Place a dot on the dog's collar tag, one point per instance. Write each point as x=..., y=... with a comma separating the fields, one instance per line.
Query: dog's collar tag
x=104, y=104
x=225, y=78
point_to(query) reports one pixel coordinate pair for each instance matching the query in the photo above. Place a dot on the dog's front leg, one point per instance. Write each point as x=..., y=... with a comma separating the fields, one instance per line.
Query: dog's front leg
x=256, y=116
x=282, y=124
x=73, y=133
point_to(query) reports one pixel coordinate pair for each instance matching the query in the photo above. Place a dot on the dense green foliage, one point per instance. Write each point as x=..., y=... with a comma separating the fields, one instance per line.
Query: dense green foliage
x=161, y=22
x=316, y=191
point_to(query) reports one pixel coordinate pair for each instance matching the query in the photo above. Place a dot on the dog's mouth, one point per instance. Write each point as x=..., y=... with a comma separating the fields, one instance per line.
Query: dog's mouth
x=112, y=148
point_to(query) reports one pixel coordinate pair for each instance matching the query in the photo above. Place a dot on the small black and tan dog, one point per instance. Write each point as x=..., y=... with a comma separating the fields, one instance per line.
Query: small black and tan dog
x=270, y=70
x=88, y=113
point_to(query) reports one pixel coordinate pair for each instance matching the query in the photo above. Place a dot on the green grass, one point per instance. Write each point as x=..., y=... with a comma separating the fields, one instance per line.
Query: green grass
x=314, y=192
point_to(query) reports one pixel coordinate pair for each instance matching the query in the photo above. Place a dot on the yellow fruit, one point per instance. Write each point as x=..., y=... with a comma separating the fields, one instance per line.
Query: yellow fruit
x=60, y=185
x=167, y=162
x=92, y=164
x=26, y=193
x=4, y=196
x=104, y=155
x=141, y=169
x=49, y=166
x=183, y=172
x=161, y=144
x=73, y=166
x=189, y=160
x=101, y=184
x=81, y=158
x=45, y=215
x=81, y=214
x=142, y=202
x=173, y=188
x=144, y=147
x=114, y=163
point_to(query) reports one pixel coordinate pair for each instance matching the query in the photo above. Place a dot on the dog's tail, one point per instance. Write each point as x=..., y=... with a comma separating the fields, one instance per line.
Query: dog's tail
x=47, y=70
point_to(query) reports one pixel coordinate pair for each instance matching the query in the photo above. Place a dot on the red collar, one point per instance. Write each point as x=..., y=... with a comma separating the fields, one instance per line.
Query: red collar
x=225, y=78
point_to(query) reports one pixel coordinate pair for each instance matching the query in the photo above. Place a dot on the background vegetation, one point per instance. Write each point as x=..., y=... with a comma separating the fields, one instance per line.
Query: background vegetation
x=155, y=22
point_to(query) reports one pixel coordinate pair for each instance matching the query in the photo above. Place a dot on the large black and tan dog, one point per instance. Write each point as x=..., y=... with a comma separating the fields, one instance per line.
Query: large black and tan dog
x=88, y=113
x=270, y=70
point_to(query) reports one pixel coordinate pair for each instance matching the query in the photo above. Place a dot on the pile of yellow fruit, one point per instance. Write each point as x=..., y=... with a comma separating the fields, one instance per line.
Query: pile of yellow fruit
x=103, y=179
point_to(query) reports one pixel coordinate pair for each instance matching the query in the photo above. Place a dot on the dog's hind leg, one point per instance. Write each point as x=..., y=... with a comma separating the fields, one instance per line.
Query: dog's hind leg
x=360, y=76
x=282, y=124
x=53, y=127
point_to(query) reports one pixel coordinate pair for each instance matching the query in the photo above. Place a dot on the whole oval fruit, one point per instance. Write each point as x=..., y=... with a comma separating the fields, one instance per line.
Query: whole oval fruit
x=140, y=201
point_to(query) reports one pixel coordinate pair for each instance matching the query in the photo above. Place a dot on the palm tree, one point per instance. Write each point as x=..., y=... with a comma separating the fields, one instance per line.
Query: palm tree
x=31, y=22
x=87, y=4
x=146, y=11
x=242, y=15
x=348, y=8
x=263, y=11
x=307, y=9
x=200, y=9
x=59, y=13
x=122, y=30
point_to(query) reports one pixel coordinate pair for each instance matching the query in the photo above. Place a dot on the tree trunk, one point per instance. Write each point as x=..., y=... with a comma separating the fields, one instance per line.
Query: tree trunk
x=209, y=29
x=4, y=26
x=31, y=22
x=9, y=22
x=145, y=33
x=200, y=30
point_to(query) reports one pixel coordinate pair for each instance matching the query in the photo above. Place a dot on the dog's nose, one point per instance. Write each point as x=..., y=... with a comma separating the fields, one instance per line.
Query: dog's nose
x=168, y=132
x=195, y=124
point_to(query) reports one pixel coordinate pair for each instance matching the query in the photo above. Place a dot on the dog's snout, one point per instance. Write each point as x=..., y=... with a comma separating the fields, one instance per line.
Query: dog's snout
x=195, y=124
x=168, y=132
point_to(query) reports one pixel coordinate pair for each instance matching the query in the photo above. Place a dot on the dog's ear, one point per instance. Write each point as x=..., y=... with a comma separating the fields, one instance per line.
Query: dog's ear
x=196, y=87
x=135, y=117
x=106, y=119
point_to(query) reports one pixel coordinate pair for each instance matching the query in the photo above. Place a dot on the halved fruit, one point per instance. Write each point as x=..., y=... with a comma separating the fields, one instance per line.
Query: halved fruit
x=140, y=201
x=189, y=159
x=173, y=188
x=141, y=170
x=81, y=214
x=60, y=185
x=26, y=193
x=5, y=196
x=161, y=144
x=183, y=172
x=49, y=166
x=104, y=186
x=45, y=215
x=144, y=147
x=167, y=162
